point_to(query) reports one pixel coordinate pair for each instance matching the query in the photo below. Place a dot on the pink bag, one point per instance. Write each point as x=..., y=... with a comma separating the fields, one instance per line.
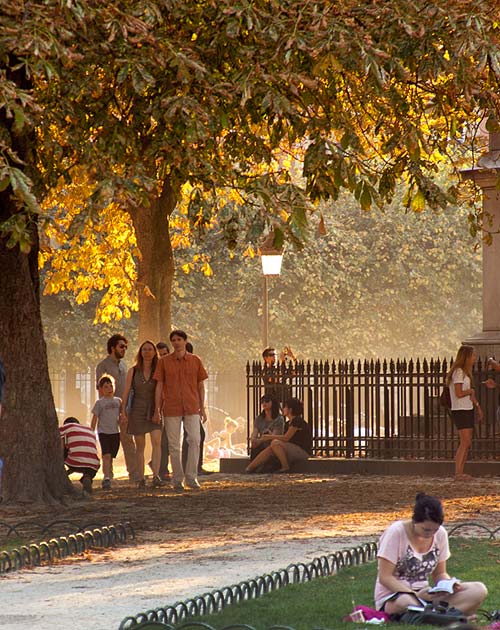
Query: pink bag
x=360, y=614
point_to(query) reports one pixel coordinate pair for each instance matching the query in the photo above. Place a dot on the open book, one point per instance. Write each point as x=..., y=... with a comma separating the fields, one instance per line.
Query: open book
x=444, y=586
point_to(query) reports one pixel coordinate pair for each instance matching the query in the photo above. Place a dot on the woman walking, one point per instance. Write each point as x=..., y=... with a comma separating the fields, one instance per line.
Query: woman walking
x=463, y=402
x=140, y=386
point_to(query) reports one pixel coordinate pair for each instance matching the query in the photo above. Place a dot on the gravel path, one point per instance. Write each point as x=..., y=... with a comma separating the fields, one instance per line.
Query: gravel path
x=233, y=529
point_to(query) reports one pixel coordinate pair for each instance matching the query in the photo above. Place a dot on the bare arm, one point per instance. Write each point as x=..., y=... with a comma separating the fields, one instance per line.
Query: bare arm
x=494, y=365
x=126, y=391
x=93, y=424
x=440, y=572
x=462, y=393
x=284, y=438
x=388, y=579
x=158, y=398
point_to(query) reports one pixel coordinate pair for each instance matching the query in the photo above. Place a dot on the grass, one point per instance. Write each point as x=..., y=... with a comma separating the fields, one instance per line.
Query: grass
x=13, y=542
x=323, y=603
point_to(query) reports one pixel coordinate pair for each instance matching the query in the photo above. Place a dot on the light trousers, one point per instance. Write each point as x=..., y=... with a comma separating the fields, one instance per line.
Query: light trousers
x=173, y=426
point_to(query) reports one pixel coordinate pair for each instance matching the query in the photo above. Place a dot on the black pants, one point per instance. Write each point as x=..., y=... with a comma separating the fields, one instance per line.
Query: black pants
x=257, y=449
x=185, y=446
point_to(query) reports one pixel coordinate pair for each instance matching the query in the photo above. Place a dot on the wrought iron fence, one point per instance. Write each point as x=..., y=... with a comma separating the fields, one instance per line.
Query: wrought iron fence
x=376, y=409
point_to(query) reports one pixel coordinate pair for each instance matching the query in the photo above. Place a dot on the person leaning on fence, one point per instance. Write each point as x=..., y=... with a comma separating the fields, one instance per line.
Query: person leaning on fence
x=463, y=404
x=276, y=375
x=295, y=445
x=268, y=422
x=414, y=550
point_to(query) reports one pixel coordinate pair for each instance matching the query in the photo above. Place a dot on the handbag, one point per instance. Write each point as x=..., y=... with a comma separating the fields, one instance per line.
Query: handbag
x=432, y=614
x=445, y=398
x=130, y=399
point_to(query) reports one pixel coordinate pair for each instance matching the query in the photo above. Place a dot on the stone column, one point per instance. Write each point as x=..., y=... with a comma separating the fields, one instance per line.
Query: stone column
x=486, y=175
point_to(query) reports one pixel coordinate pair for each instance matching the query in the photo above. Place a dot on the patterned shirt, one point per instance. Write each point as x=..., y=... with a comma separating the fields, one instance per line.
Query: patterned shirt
x=411, y=567
x=81, y=444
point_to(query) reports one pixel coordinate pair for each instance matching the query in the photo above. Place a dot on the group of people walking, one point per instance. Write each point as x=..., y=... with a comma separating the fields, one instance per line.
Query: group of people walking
x=161, y=394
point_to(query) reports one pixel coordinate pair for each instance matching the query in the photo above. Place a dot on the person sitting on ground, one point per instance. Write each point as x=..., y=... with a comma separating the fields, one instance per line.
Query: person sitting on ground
x=221, y=445
x=106, y=416
x=268, y=422
x=231, y=426
x=79, y=446
x=414, y=550
x=294, y=446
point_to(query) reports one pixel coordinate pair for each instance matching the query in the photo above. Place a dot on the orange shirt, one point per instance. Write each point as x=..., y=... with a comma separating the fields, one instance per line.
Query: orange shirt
x=180, y=379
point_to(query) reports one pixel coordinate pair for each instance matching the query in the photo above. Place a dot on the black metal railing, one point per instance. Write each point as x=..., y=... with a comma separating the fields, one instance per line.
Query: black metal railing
x=219, y=599
x=376, y=409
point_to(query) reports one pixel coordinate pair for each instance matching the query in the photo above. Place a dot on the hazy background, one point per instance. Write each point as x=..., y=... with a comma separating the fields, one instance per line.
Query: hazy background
x=377, y=285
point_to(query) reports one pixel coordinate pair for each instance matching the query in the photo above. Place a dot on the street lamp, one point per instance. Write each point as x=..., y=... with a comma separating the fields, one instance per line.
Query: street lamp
x=271, y=258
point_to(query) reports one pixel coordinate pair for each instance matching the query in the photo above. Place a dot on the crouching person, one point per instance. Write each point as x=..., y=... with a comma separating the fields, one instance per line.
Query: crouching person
x=80, y=451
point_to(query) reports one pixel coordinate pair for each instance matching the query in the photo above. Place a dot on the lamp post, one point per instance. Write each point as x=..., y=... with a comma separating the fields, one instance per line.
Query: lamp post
x=271, y=258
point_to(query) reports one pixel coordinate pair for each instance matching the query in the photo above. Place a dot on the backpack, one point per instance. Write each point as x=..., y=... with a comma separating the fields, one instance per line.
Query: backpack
x=432, y=614
x=445, y=398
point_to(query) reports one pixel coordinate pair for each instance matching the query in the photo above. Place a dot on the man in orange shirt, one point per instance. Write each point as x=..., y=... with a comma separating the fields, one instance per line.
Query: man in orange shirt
x=180, y=384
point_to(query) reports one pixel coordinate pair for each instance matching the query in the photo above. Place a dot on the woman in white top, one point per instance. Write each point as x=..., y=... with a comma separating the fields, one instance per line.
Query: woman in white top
x=463, y=401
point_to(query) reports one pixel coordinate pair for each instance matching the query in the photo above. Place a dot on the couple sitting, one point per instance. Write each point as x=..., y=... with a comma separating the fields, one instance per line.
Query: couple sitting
x=289, y=443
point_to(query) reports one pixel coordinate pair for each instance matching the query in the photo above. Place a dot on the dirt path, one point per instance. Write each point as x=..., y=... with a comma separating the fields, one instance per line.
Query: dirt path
x=235, y=528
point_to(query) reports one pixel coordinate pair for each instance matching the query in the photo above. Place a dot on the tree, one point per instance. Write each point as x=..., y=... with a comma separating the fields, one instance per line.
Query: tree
x=152, y=97
x=361, y=94
x=38, y=42
x=374, y=285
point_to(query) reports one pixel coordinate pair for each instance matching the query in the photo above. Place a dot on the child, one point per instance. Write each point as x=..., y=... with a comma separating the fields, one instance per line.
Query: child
x=106, y=415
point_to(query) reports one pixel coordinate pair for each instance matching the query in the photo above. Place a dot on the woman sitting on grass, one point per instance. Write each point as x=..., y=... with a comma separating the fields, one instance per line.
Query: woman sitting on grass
x=293, y=446
x=410, y=552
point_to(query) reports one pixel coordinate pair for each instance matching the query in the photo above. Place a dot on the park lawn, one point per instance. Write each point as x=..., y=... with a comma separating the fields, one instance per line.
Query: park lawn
x=325, y=601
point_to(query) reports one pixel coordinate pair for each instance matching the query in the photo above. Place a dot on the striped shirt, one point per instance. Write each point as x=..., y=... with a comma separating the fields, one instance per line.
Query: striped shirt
x=82, y=446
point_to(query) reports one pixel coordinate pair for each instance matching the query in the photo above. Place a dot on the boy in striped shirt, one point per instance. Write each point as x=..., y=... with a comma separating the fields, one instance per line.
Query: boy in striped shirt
x=80, y=451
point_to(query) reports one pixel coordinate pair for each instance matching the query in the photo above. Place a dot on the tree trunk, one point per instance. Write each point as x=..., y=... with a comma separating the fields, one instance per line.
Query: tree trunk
x=29, y=438
x=30, y=446
x=156, y=265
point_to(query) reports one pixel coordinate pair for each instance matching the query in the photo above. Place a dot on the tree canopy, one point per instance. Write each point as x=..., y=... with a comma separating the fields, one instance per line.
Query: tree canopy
x=253, y=113
x=154, y=98
x=214, y=93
